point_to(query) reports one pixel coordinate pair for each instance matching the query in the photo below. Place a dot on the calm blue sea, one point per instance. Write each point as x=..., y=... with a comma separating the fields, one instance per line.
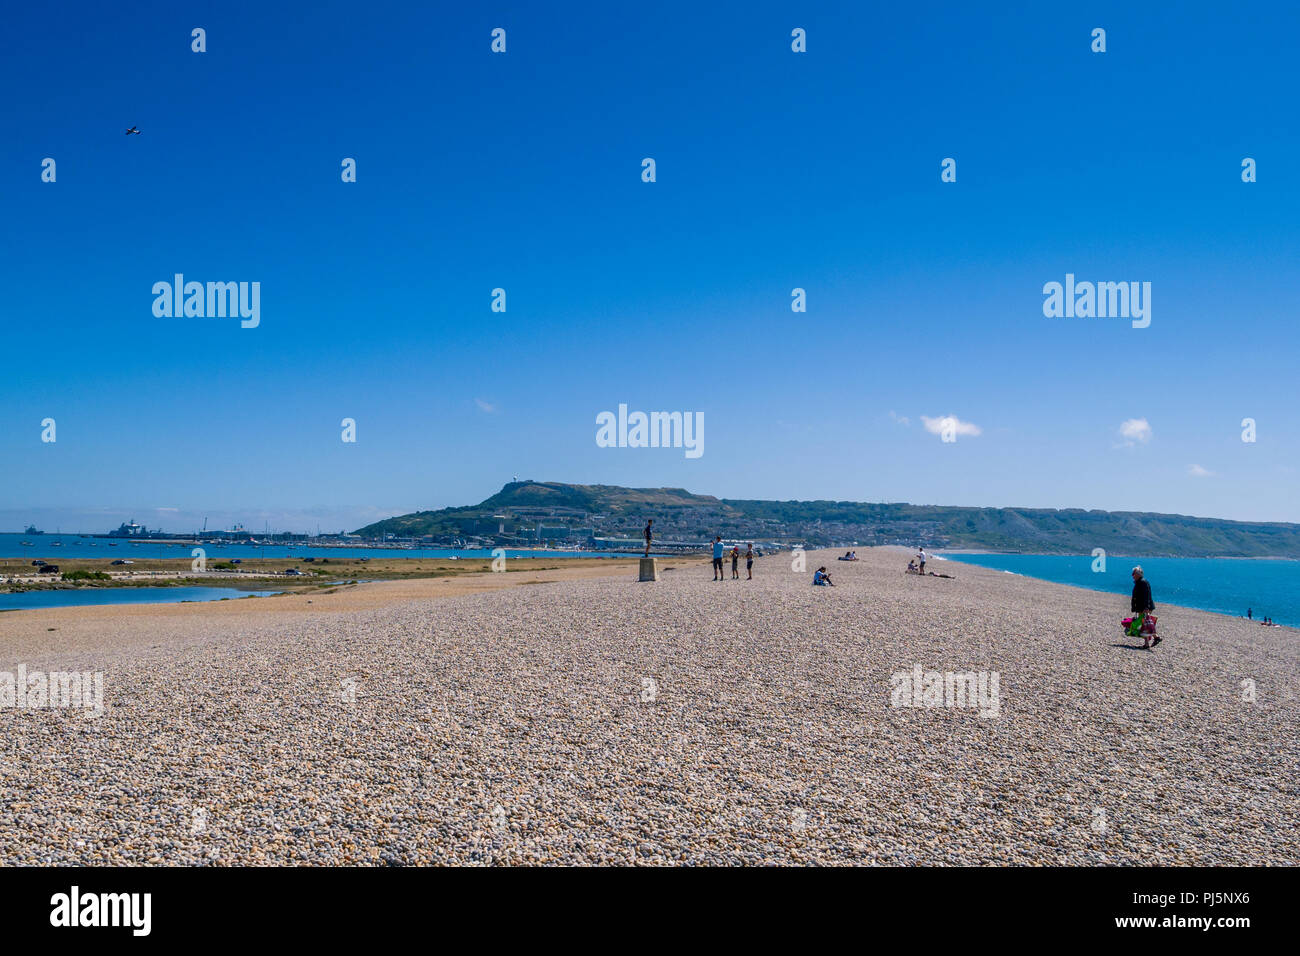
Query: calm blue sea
x=83, y=596
x=1225, y=585
x=51, y=547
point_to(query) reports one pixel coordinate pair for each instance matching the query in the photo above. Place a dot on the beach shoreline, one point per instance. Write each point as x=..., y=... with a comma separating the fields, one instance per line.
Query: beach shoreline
x=586, y=717
x=371, y=593
x=1206, y=584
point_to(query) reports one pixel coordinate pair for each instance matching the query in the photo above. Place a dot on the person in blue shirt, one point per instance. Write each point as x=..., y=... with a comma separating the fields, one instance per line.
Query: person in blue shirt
x=717, y=559
x=822, y=577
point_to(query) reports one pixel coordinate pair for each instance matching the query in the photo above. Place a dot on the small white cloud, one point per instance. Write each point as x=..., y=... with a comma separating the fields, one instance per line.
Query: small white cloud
x=937, y=426
x=900, y=419
x=1135, y=431
x=1196, y=471
x=488, y=407
x=166, y=509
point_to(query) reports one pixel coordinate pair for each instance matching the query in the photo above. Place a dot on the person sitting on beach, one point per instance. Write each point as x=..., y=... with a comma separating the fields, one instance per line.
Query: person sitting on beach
x=822, y=577
x=911, y=567
x=1142, y=605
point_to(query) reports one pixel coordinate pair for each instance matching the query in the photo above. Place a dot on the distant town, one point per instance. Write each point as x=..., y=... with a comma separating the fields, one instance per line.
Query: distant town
x=536, y=534
x=535, y=515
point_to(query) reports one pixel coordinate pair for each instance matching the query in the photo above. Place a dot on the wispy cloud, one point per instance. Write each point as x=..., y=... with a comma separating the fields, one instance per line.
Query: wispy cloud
x=900, y=419
x=937, y=426
x=1196, y=471
x=1134, y=431
x=488, y=407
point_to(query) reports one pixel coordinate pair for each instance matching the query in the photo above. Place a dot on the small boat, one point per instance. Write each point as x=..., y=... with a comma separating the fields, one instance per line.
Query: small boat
x=25, y=544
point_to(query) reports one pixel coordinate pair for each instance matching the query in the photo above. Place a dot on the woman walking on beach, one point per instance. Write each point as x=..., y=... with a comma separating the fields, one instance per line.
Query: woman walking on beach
x=1142, y=605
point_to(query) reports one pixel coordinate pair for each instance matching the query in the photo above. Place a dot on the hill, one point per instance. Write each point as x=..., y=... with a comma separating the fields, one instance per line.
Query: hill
x=514, y=515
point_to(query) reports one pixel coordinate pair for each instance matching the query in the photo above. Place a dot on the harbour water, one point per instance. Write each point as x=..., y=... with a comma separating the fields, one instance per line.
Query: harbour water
x=51, y=547
x=78, y=597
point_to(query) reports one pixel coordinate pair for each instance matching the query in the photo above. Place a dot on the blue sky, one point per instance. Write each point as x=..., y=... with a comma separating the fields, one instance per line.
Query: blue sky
x=522, y=170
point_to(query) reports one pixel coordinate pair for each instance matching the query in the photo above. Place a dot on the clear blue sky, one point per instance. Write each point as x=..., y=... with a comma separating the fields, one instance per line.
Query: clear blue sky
x=775, y=170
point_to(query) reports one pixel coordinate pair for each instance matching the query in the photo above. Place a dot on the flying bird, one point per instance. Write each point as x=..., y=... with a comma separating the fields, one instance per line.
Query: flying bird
x=132, y=130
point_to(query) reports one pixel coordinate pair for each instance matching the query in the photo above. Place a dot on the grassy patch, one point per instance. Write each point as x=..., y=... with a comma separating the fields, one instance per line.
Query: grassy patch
x=82, y=574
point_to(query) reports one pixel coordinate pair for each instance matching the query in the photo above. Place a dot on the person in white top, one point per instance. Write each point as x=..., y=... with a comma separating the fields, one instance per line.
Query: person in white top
x=921, y=558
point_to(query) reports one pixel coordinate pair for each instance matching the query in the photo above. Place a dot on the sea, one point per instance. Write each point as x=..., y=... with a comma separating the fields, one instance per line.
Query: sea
x=51, y=547
x=1268, y=587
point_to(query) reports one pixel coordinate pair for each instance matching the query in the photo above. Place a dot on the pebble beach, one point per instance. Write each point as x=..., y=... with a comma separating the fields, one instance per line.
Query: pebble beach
x=593, y=719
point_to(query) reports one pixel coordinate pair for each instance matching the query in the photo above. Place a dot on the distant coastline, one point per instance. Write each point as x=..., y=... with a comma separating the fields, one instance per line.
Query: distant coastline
x=528, y=511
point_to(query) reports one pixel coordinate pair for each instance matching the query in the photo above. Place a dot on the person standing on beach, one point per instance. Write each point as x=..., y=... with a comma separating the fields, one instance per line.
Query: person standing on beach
x=749, y=561
x=1142, y=604
x=921, y=558
x=717, y=559
x=648, y=536
x=735, y=563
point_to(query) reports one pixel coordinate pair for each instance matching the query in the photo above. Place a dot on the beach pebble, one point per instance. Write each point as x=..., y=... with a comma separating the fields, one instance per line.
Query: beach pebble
x=672, y=722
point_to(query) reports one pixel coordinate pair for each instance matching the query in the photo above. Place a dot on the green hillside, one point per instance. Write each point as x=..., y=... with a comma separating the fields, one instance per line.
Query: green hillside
x=515, y=511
